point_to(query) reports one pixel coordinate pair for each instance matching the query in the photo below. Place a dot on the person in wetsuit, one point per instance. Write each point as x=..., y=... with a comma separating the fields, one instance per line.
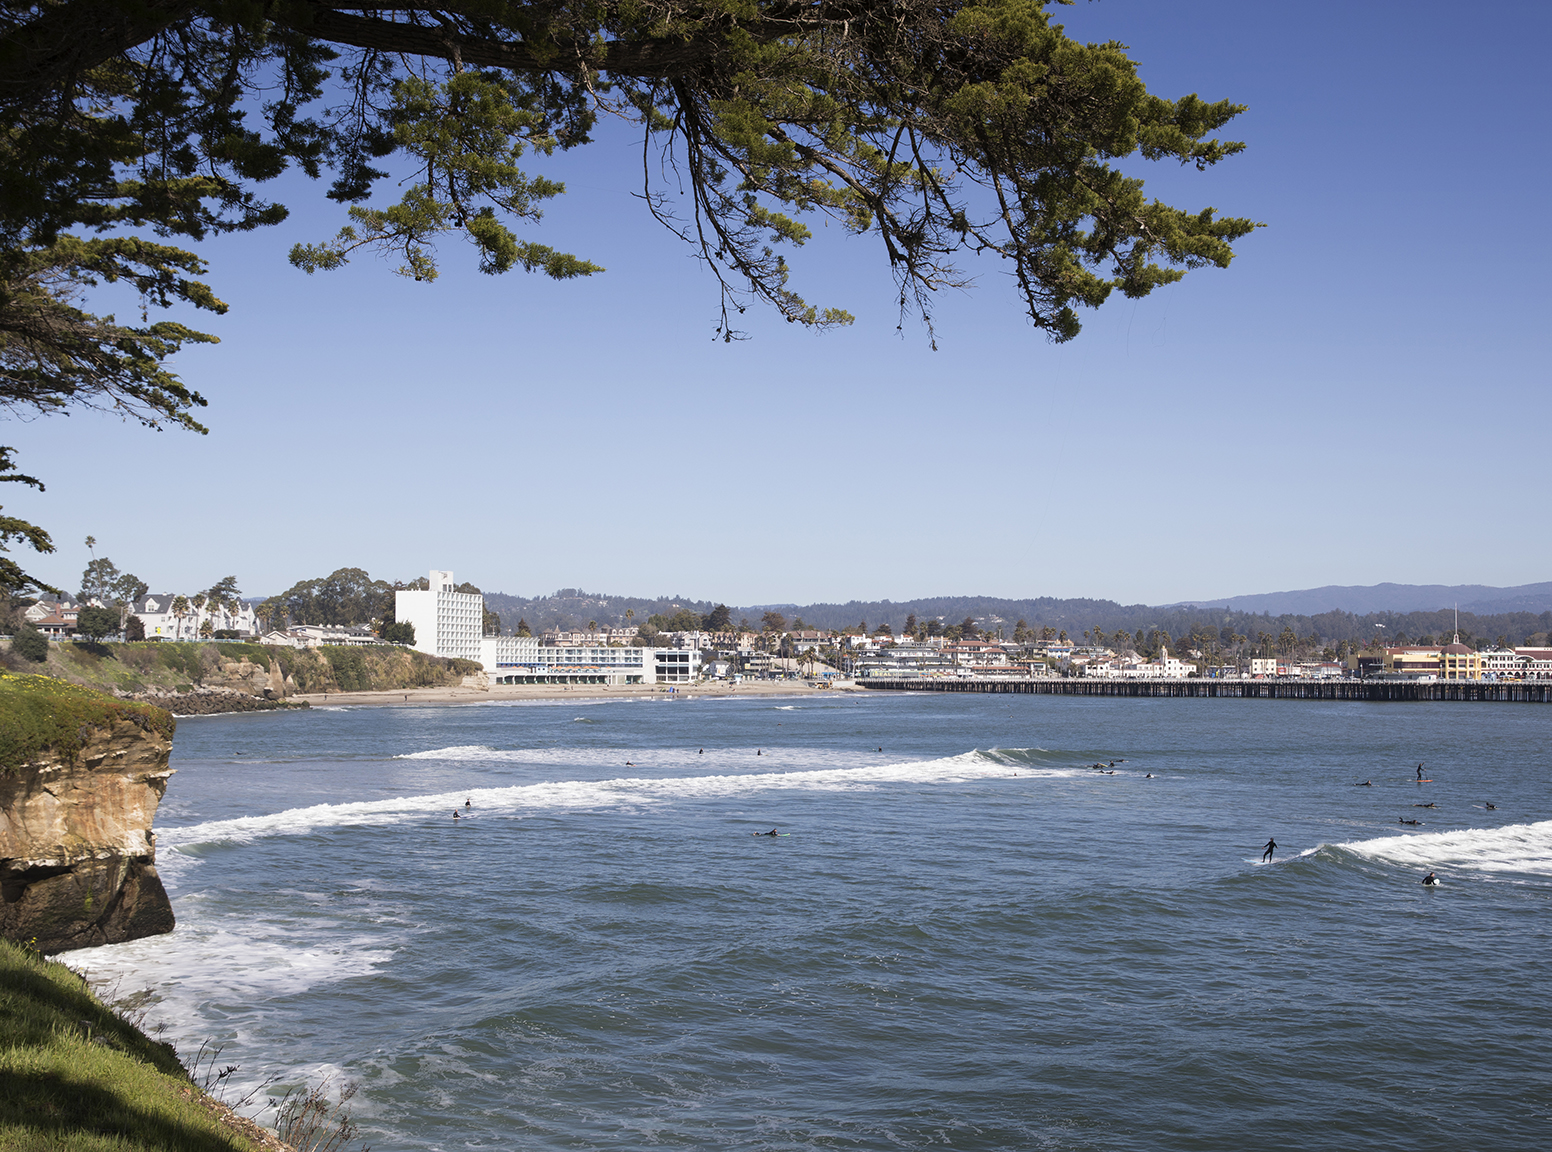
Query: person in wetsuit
x=1419, y=772
x=1271, y=846
x=1430, y=881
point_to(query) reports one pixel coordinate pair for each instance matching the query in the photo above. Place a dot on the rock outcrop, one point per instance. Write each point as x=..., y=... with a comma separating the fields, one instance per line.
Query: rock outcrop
x=81, y=775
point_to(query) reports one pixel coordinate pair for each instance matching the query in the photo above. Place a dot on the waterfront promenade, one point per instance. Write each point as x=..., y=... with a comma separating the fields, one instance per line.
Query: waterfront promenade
x=1513, y=691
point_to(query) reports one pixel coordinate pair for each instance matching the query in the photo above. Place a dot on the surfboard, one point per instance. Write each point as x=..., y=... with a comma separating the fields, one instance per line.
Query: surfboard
x=1425, y=780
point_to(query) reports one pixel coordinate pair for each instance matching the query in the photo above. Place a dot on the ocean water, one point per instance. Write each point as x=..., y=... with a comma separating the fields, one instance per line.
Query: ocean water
x=965, y=937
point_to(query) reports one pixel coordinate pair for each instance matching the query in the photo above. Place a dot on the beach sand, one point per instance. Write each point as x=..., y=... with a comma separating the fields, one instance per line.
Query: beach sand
x=469, y=695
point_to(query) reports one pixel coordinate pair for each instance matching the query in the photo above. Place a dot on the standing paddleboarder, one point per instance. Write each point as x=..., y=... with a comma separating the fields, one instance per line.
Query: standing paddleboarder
x=1271, y=846
x=1419, y=773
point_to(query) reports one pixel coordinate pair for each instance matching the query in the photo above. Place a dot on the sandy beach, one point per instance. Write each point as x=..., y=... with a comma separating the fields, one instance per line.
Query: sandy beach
x=469, y=695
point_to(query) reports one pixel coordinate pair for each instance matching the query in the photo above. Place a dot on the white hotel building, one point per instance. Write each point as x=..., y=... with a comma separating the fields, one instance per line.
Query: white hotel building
x=449, y=623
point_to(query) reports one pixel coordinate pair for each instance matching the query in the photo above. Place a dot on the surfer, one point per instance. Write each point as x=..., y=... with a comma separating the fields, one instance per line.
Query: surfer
x=469, y=803
x=880, y=749
x=756, y=751
x=455, y=814
x=1492, y=807
x=1149, y=776
x=1420, y=780
x=772, y=832
x=1398, y=818
x=702, y=752
x=1428, y=805
x=1365, y=784
x=1271, y=846
x=1430, y=881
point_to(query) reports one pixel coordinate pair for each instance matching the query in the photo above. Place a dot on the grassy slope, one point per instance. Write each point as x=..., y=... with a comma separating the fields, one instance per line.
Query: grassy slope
x=75, y=1077
x=177, y=667
x=39, y=712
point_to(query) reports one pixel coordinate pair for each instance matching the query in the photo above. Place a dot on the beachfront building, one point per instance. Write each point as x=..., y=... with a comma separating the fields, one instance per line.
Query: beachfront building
x=447, y=622
x=523, y=660
x=1458, y=662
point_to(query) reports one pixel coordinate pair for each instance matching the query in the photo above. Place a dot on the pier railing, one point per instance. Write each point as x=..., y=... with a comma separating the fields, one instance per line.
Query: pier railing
x=1500, y=691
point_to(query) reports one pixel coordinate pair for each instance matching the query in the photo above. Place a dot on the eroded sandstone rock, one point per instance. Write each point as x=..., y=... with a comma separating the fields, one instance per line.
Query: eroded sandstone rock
x=81, y=776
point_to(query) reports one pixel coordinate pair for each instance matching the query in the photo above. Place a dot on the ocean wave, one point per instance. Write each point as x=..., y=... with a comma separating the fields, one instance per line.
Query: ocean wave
x=582, y=794
x=1520, y=848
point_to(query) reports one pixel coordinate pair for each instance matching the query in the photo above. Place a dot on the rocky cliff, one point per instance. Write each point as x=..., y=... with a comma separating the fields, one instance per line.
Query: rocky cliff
x=81, y=775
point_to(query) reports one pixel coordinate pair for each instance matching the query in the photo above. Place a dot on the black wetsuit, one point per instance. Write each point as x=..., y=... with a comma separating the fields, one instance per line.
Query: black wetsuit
x=1271, y=846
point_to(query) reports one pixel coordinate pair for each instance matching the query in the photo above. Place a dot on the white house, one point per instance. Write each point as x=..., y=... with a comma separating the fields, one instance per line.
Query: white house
x=162, y=623
x=447, y=622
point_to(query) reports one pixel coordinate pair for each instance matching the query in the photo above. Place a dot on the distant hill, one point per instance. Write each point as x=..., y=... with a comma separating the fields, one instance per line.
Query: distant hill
x=573, y=608
x=1478, y=598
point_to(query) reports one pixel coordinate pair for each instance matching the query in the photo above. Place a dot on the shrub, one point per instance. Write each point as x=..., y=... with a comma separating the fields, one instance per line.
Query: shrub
x=134, y=628
x=30, y=643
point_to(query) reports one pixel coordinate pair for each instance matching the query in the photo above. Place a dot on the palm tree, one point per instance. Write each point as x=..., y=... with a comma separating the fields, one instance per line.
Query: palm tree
x=180, y=609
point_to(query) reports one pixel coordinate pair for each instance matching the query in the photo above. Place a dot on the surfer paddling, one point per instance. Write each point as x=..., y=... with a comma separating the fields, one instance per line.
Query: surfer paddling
x=772, y=832
x=1430, y=881
x=1271, y=847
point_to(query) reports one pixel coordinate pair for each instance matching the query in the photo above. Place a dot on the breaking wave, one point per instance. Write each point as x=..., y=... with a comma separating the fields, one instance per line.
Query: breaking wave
x=1518, y=848
x=582, y=794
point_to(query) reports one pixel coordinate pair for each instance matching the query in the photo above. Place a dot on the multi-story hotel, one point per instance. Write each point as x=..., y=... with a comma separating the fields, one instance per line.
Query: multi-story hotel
x=447, y=622
x=452, y=623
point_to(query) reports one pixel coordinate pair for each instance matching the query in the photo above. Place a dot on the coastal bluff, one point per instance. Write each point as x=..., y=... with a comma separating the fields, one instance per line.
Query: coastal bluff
x=81, y=776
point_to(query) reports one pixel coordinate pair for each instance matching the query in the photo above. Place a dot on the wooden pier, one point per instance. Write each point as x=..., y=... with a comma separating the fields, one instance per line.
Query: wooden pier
x=1497, y=691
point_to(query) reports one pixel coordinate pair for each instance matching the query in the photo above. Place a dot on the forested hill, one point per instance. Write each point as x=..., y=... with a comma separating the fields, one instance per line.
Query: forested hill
x=572, y=608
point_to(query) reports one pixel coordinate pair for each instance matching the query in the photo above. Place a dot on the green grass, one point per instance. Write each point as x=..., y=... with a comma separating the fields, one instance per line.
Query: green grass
x=40, y=712
x=75, y=1077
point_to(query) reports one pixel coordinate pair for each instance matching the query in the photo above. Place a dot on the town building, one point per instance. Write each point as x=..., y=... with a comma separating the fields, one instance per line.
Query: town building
x=447, y=622
x=524, y=660
x=171, y=616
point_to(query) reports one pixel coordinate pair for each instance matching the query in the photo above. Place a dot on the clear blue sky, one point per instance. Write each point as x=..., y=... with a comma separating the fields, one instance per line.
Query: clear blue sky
x=1363, y=396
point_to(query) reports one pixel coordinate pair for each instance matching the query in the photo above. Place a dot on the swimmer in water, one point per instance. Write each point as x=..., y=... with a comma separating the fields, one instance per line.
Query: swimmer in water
x=1430, y=881
x=1271, y=846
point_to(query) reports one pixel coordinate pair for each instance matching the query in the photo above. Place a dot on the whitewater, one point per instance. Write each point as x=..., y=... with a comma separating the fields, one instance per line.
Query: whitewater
x=990, y=923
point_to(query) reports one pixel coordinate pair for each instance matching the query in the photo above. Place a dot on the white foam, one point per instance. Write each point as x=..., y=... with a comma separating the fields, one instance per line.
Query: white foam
x=574, y=794
x=1523, y=848
x=199, y=963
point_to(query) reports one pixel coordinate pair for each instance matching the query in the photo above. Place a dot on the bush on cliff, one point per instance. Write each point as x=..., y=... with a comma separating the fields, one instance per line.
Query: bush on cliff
x=39, y=713
x=30, y=644
x=76, y=1077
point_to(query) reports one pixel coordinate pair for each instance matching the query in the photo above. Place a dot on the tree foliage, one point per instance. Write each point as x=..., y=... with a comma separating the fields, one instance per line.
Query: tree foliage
x=30, y=644
x=95, y=623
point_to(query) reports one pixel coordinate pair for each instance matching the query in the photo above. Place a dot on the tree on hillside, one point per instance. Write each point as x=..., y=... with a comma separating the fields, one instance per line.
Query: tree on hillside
x=719, y=619
x=773, y=622
x=95, y=623
x=347, y=596
x=522, y=628
x=967, y=628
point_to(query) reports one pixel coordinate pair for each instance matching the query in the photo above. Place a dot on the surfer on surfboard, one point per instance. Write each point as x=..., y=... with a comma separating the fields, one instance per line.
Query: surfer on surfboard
x=1430, y=881
x=772, y=832
x=1271, y=846
x=1419, y=773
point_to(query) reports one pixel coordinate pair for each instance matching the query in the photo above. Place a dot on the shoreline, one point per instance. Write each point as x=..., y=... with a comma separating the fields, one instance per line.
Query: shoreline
x=402, y=697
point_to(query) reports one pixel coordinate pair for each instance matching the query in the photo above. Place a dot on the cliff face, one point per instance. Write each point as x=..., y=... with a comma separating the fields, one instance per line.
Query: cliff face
x=81, y=775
